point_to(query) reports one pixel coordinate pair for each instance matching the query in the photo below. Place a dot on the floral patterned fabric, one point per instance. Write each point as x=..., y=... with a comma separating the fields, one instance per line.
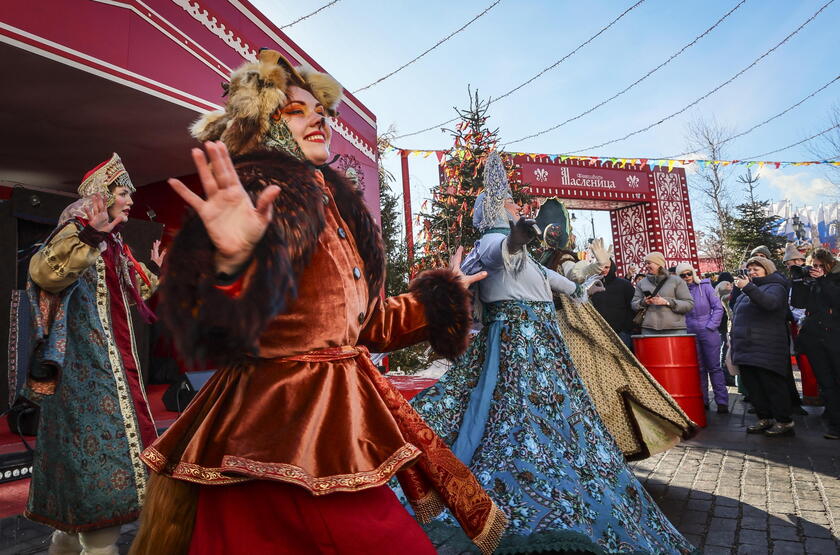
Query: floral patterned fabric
x=87, y=473
x=515, y=408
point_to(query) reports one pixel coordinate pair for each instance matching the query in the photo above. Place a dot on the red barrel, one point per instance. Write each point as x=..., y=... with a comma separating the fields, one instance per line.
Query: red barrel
x=410, y=386
x=810, y=389
x=672, y=361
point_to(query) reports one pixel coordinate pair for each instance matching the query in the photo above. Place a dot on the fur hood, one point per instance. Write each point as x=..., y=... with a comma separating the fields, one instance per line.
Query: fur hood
x=256, y=90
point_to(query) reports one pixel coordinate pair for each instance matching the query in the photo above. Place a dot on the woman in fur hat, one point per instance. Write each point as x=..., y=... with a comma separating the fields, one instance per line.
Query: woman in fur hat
x=276, y=277
x=703, y=321
x=514, y=409
x=87, y=476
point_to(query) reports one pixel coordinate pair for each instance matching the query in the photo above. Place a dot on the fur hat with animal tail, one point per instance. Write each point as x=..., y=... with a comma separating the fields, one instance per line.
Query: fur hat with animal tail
x=255, y=92
x=167, y=519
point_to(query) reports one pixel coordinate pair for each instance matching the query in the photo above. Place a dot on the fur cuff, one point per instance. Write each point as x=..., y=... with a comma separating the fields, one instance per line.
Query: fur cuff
x=447, y=306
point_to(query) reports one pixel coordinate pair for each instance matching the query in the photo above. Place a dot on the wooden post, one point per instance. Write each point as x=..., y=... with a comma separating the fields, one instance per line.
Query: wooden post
x=409, y=231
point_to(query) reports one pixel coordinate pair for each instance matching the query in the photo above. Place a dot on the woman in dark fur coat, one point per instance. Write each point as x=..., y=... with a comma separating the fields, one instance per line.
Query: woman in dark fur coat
x=289, y=447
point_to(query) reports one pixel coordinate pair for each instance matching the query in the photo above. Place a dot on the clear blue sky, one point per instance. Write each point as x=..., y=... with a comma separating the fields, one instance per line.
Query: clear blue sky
x=358, y=41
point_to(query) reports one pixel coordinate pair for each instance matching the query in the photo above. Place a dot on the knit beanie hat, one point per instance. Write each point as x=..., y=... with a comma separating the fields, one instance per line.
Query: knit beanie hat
x=657, y=258
x=765, y=263
x=761, y=249
x=725, y=276
x=684, y=267
x=792, y=253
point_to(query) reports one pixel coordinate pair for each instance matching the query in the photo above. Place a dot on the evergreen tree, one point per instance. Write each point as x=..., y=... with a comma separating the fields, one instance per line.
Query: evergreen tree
x=753, y=225
x=410, y=359
x=396, y=255
x=448, y=222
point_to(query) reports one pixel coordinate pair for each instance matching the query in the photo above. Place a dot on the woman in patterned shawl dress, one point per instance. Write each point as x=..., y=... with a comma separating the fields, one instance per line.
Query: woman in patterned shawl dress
x=514, y=409
x=87, y=476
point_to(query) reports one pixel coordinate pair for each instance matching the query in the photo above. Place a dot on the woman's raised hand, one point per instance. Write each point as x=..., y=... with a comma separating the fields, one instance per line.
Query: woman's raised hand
x=234, y=224
x=157, y=255
x=98, y=218
x=455, y=266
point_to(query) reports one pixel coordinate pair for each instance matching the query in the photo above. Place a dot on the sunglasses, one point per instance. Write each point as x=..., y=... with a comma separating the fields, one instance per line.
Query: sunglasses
x=685, y=275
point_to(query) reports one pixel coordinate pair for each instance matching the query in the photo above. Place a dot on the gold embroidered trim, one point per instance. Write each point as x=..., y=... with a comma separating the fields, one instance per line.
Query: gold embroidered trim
x=328, y=484
x=489, y=538
x=250, y=470
x=187, y=471
x=426, y=509
x=50, y=259
x=132, y=432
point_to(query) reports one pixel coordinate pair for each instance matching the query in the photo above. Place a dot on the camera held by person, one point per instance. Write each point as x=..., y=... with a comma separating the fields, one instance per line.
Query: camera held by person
x=818, y=336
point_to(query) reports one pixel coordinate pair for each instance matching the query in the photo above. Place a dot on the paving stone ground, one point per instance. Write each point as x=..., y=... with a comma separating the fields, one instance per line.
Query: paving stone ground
x=728, y=492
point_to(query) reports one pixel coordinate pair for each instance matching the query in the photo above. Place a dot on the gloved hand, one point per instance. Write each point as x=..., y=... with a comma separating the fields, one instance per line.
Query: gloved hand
x=601, y=254
x=595, y=288
x=521, y=233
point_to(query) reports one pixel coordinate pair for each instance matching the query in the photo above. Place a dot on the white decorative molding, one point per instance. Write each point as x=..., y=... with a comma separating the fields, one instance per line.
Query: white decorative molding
x=214, y=26
x=355, y=140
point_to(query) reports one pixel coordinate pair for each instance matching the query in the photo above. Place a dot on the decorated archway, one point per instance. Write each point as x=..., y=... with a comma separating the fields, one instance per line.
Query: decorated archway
x=649, y=206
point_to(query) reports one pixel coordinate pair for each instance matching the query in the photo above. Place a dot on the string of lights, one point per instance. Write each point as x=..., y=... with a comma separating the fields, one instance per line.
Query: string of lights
x=307, y=16
x=538, y=75
x=438, y=43
x=794, y=144
x=711, y=92
x=771, y=118
x=639, y=80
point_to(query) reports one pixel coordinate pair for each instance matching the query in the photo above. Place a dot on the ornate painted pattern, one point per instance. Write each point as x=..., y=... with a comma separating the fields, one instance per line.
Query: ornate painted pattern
x=544, y=454
x=632, y=234
x=352, y=169
x=674, y=213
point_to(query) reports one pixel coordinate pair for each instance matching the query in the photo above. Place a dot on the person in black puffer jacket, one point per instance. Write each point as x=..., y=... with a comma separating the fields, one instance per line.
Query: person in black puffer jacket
x=759, y=343
x=613, y=303
x=819, y=337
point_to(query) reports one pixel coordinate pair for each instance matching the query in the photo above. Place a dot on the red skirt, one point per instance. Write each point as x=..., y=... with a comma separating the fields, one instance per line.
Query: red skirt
x=273, y=517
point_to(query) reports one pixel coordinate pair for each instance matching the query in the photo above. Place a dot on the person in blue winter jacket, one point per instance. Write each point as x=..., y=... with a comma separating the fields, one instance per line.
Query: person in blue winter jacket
x=703, y=321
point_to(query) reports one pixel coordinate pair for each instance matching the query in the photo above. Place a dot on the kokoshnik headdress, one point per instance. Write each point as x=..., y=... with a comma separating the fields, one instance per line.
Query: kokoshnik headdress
x=256, y=93
x=489, y=209
x=107, y=175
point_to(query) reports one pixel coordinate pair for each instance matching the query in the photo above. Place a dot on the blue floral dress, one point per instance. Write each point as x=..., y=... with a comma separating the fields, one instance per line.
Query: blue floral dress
x=515, y=410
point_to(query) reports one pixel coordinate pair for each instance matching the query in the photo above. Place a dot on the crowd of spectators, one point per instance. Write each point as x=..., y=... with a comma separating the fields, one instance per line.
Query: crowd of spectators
x=747, y=322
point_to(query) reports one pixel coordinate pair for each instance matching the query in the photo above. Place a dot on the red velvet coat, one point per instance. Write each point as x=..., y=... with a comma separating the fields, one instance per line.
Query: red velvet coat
x=297, y=398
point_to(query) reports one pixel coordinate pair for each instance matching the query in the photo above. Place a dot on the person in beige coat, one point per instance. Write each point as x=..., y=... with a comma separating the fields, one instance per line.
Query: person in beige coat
x=666, y=309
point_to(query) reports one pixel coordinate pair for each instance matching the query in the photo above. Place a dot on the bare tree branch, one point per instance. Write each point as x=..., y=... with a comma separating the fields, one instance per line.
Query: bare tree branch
x=706, y=137
x=827, y=147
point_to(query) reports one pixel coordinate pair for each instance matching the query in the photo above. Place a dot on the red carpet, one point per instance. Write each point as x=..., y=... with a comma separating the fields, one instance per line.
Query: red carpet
x=13, y=494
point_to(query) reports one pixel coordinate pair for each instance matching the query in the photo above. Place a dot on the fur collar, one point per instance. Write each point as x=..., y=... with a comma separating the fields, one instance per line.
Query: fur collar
x=299, y=212
x=199, y=316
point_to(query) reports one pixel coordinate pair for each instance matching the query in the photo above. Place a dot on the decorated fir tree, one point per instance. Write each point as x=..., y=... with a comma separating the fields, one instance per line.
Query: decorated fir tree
x=446, y=218
x=753, y=225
